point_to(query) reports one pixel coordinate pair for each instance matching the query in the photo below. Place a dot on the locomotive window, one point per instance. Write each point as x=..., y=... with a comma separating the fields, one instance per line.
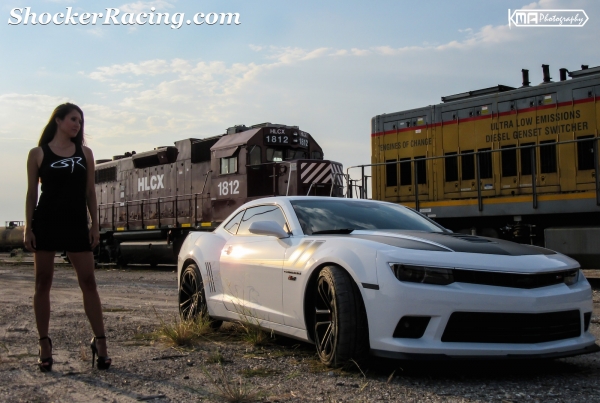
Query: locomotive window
x=509, y=160
x=526, y=159
x=467, y=165
x=548, y=157
x=585, y=153
x=485, y=164
x=234, y=223
x=421, y=167
x=274, y=154
x=262, y=213
x=316, y=155
x=295, y=155
x=405, y=172
x=451, y=166
x=391, y=173
x=229, y=165
x=255, y=157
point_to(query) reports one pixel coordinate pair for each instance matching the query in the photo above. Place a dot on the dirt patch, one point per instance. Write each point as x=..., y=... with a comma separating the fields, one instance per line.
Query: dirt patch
x=135, y=301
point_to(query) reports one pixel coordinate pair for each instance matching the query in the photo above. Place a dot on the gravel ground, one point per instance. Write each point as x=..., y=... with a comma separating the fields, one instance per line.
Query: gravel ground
x=137, y=300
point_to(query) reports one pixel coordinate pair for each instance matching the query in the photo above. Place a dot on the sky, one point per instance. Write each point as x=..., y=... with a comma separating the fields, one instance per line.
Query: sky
x=325, y=66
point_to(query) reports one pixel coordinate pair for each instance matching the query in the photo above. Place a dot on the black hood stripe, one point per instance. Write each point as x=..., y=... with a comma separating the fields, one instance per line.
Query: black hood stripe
x=420, y=240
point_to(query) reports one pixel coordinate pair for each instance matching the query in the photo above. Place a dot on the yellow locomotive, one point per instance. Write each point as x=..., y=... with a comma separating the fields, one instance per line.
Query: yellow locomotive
x=516, y=163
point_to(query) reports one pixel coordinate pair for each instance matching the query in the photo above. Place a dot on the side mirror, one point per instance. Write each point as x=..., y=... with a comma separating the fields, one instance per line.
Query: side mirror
x=268, y=228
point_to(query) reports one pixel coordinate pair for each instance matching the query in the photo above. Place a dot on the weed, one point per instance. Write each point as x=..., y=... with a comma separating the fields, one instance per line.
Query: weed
x=249, y=325
x=233, y=391
x=261, y=371
x=181, y=331
x=83, y=356
x=5, y=349
x=293, y=375
x=215, y=358
x=250, y=331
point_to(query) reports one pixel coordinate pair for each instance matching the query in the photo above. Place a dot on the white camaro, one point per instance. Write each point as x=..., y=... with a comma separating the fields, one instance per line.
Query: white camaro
x=357, y=277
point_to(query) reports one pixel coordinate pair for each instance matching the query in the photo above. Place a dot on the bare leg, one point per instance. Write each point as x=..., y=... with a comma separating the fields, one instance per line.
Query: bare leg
x=83, y=262
x=44, y=272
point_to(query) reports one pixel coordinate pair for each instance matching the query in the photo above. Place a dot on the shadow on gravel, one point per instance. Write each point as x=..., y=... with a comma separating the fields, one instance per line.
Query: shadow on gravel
x=138, y=267
x=481, y=370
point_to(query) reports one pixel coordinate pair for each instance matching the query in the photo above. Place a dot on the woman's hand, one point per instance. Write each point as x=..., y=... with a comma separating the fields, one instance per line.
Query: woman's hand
x=94, y=236
x=29, y=240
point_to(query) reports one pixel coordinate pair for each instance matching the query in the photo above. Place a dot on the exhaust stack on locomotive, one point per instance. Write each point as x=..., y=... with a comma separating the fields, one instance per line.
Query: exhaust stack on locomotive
x=149, y=201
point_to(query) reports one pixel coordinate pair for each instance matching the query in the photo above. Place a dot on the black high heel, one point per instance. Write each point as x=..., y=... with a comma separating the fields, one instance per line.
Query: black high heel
x=103, y=362
x=45, y=364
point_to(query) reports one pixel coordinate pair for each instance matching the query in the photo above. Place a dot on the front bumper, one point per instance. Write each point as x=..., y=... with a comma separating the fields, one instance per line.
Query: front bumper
x=394, y=300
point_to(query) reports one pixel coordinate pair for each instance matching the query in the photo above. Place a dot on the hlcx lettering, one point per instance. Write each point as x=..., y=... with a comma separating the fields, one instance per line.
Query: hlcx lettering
x=156, y=182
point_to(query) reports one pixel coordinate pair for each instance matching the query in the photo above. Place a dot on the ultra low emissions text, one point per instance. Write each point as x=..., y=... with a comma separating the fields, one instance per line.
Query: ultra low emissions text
x=113, y=16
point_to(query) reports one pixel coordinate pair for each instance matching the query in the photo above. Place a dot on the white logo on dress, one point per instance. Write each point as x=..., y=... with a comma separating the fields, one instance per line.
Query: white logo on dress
x=68, y=162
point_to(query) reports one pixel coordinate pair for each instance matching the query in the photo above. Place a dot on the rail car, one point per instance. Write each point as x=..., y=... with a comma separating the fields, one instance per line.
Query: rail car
x=148, y=202
x=515, y=163
x=11, y=237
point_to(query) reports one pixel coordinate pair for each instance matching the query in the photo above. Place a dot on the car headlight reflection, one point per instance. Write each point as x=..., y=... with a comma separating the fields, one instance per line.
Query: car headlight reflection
x=571, y=277
x=422, y=274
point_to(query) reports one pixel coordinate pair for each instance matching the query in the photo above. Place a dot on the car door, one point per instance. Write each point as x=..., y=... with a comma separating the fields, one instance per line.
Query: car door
x=252, y=267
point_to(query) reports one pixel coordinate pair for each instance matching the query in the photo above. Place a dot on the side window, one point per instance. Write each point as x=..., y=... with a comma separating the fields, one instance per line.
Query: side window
x=316, y=155
x=548, y=157
x=509, y=160
x=229, y=165
x=262, y=213
x=585, y=153
x=485, y=164
x=421, y=167
x=467, y=165
x=234, y=223
x=451, y=166
x=255, y=157
x=526, y=158
x=274, y=154
x=405, y=172
x=391, y=174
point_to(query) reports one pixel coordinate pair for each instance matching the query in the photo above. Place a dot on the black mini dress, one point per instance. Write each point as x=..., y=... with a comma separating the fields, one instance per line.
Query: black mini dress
x=60, y=220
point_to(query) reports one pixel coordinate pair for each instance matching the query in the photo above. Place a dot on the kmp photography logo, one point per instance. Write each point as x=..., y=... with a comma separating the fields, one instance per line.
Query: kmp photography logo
x=547, y=18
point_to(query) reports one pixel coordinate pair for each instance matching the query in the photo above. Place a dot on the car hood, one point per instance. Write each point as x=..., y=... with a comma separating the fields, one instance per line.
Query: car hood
x=449, y=242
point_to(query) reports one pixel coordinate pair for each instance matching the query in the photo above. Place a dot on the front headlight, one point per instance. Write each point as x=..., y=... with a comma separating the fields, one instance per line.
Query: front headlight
x=571, y=277
x=422, y=274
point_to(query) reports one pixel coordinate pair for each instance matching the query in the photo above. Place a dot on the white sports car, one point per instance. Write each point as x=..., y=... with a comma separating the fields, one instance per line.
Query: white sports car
x=357, y=277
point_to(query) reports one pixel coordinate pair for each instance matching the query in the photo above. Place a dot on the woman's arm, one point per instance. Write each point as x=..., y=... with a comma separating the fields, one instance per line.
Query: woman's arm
x=34, y=160
x=91, y=197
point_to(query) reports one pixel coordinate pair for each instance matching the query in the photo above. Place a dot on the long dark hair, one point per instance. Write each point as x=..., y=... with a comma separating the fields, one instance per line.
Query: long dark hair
x=61, y=112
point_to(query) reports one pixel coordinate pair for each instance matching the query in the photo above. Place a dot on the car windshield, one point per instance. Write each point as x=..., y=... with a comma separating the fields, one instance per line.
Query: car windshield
x=343, y=216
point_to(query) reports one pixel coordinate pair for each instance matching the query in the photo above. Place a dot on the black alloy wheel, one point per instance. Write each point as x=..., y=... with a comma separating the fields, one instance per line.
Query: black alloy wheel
x=341, y=331
x=192, y=300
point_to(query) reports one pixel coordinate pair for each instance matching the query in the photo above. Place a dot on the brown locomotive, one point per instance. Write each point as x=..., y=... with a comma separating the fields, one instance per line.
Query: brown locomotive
x=148, y=202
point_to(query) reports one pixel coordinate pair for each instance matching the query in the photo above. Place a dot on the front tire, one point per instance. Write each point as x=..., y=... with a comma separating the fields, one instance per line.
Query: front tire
x=192, y=298
x=340, y=322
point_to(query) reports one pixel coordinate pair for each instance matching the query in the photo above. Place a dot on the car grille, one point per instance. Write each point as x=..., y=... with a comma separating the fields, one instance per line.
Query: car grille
x=481, y=327
x=513, y=280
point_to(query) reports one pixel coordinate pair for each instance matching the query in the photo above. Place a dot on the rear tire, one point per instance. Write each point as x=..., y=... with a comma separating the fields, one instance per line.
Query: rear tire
x=192, y=299
x=341, y=331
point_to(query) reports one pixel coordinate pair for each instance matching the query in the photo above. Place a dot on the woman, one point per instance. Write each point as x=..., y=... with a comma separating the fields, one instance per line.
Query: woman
x=65, y=168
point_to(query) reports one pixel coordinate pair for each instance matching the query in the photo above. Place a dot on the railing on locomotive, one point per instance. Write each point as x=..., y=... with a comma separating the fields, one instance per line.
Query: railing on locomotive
x=289, y=171
x=363, y=192
x=158, y=200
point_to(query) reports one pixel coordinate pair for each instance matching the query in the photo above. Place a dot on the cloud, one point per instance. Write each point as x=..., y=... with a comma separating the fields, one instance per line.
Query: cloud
x=144, y=6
